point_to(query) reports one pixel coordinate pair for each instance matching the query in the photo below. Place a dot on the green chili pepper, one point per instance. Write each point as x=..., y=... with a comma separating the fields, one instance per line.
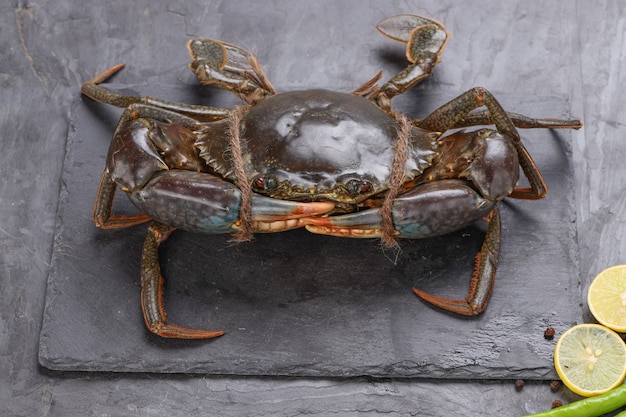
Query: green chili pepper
x=592, y=406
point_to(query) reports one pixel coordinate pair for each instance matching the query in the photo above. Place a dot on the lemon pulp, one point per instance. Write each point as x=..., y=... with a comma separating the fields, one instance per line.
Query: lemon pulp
x=607, y=298
x=590, y=359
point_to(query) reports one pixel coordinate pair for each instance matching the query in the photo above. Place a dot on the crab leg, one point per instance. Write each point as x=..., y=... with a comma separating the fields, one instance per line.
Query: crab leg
x=152, y=304
x=102, y=211
x=425, y=40
x=230, y=67
x=96, y=92
x=482, y=117
x=483, y=278
x=451, y=115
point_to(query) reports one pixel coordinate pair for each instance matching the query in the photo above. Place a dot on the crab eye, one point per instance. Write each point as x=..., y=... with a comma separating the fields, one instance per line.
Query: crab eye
x=358, y=186
x=265, y=183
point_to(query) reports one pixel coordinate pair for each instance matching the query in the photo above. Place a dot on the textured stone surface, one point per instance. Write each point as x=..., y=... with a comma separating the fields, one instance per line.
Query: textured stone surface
x=301, y=304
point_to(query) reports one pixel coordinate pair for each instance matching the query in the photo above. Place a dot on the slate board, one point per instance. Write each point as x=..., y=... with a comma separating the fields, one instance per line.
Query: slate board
x=299, y=304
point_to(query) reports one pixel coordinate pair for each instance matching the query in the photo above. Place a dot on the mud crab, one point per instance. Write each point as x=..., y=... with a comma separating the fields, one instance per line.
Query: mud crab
x=339, y=164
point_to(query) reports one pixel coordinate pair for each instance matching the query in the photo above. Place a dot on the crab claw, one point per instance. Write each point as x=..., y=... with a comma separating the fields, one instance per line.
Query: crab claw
x=364, y=224
x=152, y=296
x=271, y=215
x=200, y=202
x=431, y=209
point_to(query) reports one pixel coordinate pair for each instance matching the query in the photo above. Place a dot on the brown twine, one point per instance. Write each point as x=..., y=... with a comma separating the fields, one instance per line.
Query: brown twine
x=396, y=181
x=241, y=179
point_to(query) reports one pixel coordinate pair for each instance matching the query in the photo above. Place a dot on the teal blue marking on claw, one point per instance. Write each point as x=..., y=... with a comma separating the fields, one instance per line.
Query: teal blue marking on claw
x=413, y=230
x=218, y=224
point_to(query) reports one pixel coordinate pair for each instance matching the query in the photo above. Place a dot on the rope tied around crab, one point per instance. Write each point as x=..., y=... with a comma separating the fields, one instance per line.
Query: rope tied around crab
x=396, y=180
x=241, y=179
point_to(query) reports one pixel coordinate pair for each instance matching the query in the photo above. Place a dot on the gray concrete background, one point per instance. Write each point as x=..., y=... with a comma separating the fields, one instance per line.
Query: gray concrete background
x=571, y=49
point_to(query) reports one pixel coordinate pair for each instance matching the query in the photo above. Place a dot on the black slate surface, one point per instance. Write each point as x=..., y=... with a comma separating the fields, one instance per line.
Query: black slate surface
x=300, y=304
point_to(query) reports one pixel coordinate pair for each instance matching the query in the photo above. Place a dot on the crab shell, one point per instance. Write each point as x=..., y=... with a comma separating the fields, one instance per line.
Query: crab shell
x=320, y=145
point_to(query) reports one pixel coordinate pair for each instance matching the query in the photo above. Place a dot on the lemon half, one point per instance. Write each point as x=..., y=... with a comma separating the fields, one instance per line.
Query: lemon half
x=607, y=298
x=590, y=359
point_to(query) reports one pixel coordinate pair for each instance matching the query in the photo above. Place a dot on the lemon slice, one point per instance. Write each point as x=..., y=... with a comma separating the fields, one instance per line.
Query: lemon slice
x=590, y=359
x=607, y=298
